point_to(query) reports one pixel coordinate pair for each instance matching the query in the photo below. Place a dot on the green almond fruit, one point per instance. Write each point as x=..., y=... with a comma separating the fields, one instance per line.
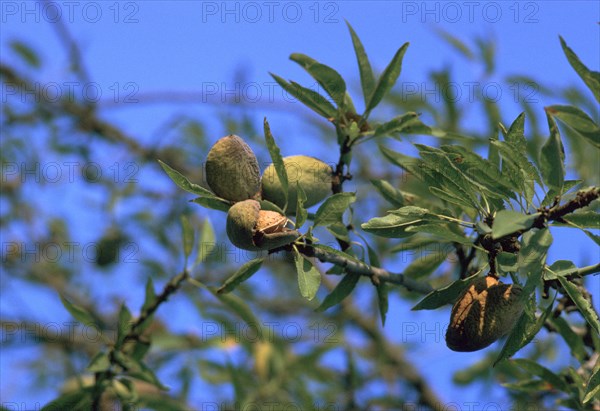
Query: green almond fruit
x=250, y=228
x=312, y=174
x=232, y=170
x=487, y=310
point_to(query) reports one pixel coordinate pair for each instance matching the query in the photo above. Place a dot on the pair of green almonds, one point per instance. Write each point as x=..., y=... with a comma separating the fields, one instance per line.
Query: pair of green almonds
x=232, y=173
x=487, y=310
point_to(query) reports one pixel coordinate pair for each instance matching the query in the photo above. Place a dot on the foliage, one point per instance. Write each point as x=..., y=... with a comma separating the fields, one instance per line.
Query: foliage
x=491, y=197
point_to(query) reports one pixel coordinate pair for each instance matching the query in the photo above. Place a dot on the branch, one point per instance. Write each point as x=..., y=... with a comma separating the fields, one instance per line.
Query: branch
x=583, y=199
x=376, y=274
x=134, y=333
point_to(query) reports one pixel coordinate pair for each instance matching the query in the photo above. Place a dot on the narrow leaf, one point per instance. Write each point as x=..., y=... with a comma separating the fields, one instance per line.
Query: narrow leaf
x=328, y=78
x=277, y=159
x=445, y=295
x=184, y=183
x=593, y=387
x=343, y=289
x=308, y=97
x=590, y=78
x=301, y=213
x=242, y=274
x=367, y=79
x=389, y=192
x=540, y=371
x=187, y=234
x=578, y=121
x=387, y=80
x=214, y=203
x=552, y=161
x=79, y=313
x=582, y=304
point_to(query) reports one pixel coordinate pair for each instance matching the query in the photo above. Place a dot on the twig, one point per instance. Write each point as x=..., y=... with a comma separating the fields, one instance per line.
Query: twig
x=377, y=275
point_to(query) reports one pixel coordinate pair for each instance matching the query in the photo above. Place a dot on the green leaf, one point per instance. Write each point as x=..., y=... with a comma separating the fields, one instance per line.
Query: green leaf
x=301, y=213
x=507, y=222
x=213, y=203
x=308, y=97
x=242, y=310
x=577, y=121
x=79, y=313
x=382, y=301
x=367, y=79
x=457, y=43
x=331, y=250
x=552, y=161
x=582, y=219
x=560, y=268
x=100, y=362
x=387, y=80
x=394, y=225
x=445, y=295
x=184, y=183
x=389, y=192
x=524, y=331
x=328, y=78
x=309, y=278
x=424, y=265
x=545, y=374
x=80, y=400
x=343, y=289
x=187, y=236
x=582, y=304
x=399, y=124
x=124, y=325
x=332, y=210
x=590, y=78
x=532, y=258
x=516, y=134
x=593, y=387
x=245, y=271
x=443, y=231
x=26, y=53
x=573, y=340
x=149, y=300
x=207, y=243
x=277, y=159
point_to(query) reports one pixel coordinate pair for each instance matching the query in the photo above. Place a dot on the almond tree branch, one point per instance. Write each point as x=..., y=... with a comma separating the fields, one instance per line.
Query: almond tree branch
x=376, y=274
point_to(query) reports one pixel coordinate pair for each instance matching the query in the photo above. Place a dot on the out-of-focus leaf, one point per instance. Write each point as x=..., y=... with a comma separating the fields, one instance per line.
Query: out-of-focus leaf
x=590, y=78
x=382, y=301
x=582, y=304
x=455, y=42
x=387, y=80
x=187, y=234
x=100, y=362
x=578, y=121
x=332, y=210
x=389, y=192
x=343, y=289
x=239, y=306
x=207, y=242
x=26, y=53
x=367, y=79
x=424, y=265
x=443, y=231
x=540, y=371
x=124, y=325
x=574, y=341
x=309, y=278
x=508, y=222
x=445, y=295
x=277, y=159
x=79, y=400
x=308, y=97
x=245, y=271
x=328, y=78
x=79, y=313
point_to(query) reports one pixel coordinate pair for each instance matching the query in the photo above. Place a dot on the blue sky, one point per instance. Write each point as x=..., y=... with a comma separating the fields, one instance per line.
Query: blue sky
x=136, y=51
